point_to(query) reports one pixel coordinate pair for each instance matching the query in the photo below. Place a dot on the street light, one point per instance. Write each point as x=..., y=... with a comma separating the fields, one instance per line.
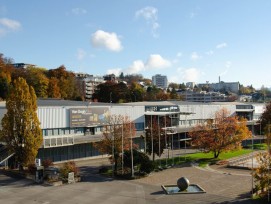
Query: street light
x=132, y=156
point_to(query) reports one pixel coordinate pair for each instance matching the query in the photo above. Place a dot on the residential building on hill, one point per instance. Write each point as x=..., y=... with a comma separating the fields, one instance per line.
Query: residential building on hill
x=160, y=81
x=222, y=86
x=88, y=84
x=203, y=96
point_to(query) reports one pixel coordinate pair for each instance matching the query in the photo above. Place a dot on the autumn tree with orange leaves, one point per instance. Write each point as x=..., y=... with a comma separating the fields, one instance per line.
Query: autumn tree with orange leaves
x=116, y=138
x=223, y=133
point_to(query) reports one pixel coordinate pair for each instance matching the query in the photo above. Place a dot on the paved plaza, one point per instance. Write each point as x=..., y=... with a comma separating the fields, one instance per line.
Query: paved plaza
x=221, y=185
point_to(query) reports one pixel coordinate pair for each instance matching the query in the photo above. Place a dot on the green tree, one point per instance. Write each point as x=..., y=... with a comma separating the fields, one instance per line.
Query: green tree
x=182, y=87
x=223, y=134
x=137, y=91
x=36, y=77
x=140, y=159
x=174, y=95
x=20, y=125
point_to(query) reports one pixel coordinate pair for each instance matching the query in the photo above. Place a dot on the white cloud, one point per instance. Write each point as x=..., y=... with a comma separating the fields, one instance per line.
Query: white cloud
x=179, y=54
x=81, y=54
x=185, y=75
x=228, y=64
x=195, y=56
x=110, y=41
x=10, y=24
x=210, y=52
x=191, y=75
x=156, y=61
x=150, y=14
x=221, y=45
x=115, y=71
x=78, y=11
x=136, y=67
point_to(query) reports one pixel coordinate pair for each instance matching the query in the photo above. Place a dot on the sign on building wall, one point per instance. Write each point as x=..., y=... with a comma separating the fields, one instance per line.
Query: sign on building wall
x=86, y=117
x=162, y=108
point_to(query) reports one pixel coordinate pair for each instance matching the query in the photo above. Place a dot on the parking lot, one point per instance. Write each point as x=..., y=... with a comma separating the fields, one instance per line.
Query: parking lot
x=221, y=186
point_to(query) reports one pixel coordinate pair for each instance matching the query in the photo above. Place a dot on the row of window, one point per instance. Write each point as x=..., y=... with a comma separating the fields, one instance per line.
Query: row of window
x=81, y=130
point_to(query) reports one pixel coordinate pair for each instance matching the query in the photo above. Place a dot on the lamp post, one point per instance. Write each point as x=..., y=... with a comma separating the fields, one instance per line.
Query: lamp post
x=113, y=154
x=166, y=135
x=132, y=156
x=159, y=140
x=122, y=148
x=252, y=181
x=152, y=140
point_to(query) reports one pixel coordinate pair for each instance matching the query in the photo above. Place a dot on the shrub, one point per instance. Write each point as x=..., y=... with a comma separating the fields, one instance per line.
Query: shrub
x=47, y=162
x=67, y=168
x=140, y=159
x=31, y=168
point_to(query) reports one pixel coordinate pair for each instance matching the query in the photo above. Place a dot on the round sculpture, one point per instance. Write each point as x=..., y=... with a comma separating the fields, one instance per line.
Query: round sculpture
x=182, y=183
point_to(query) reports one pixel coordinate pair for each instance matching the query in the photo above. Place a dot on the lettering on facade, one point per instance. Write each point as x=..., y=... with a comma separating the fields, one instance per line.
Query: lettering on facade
x=86, y=117
x=162, y=108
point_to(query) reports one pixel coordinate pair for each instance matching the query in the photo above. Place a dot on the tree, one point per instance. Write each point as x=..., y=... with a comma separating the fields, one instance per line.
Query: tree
x=116, y=137
x=20, y=125
x=265, y=118
x=140, y=159
x=53, y=88
x=174, y=94
x=137, y=91
x=36, y=78
x=261, y=173
x=182, y=87
x=223, y=134
x=65, y=81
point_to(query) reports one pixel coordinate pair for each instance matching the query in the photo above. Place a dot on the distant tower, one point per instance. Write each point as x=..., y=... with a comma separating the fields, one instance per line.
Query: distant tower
x=219, y=79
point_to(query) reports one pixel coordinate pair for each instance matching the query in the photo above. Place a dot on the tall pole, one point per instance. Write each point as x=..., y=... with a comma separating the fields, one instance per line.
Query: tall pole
x=268, y=163
x=159, y=141
x=152, y=140
x=113, y=156
x=185, y=138
x=171, y=142
x=122, y=148
x=132, y=156
x=166, y=136
x=252, y=191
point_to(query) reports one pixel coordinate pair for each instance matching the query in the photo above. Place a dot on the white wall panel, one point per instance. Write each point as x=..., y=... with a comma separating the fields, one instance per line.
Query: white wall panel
x=53, y=117
x=136, y=113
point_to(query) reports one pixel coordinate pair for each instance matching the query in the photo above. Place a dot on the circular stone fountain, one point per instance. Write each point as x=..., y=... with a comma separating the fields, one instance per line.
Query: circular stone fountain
x=183, y=183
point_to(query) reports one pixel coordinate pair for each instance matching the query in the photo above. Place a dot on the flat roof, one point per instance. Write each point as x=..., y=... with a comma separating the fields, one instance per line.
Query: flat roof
x=62, y=102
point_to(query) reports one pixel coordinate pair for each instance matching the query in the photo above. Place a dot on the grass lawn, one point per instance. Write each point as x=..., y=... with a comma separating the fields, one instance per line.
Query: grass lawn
x=204, y=158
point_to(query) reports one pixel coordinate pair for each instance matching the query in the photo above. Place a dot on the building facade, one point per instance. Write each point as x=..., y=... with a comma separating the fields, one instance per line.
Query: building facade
x=70, y=128
x=202, y=96
x=160, y=81
x=233, y=87
x=88, y=84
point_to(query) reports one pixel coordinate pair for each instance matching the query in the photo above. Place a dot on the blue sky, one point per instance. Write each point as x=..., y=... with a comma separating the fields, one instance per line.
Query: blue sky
x=195, y=40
